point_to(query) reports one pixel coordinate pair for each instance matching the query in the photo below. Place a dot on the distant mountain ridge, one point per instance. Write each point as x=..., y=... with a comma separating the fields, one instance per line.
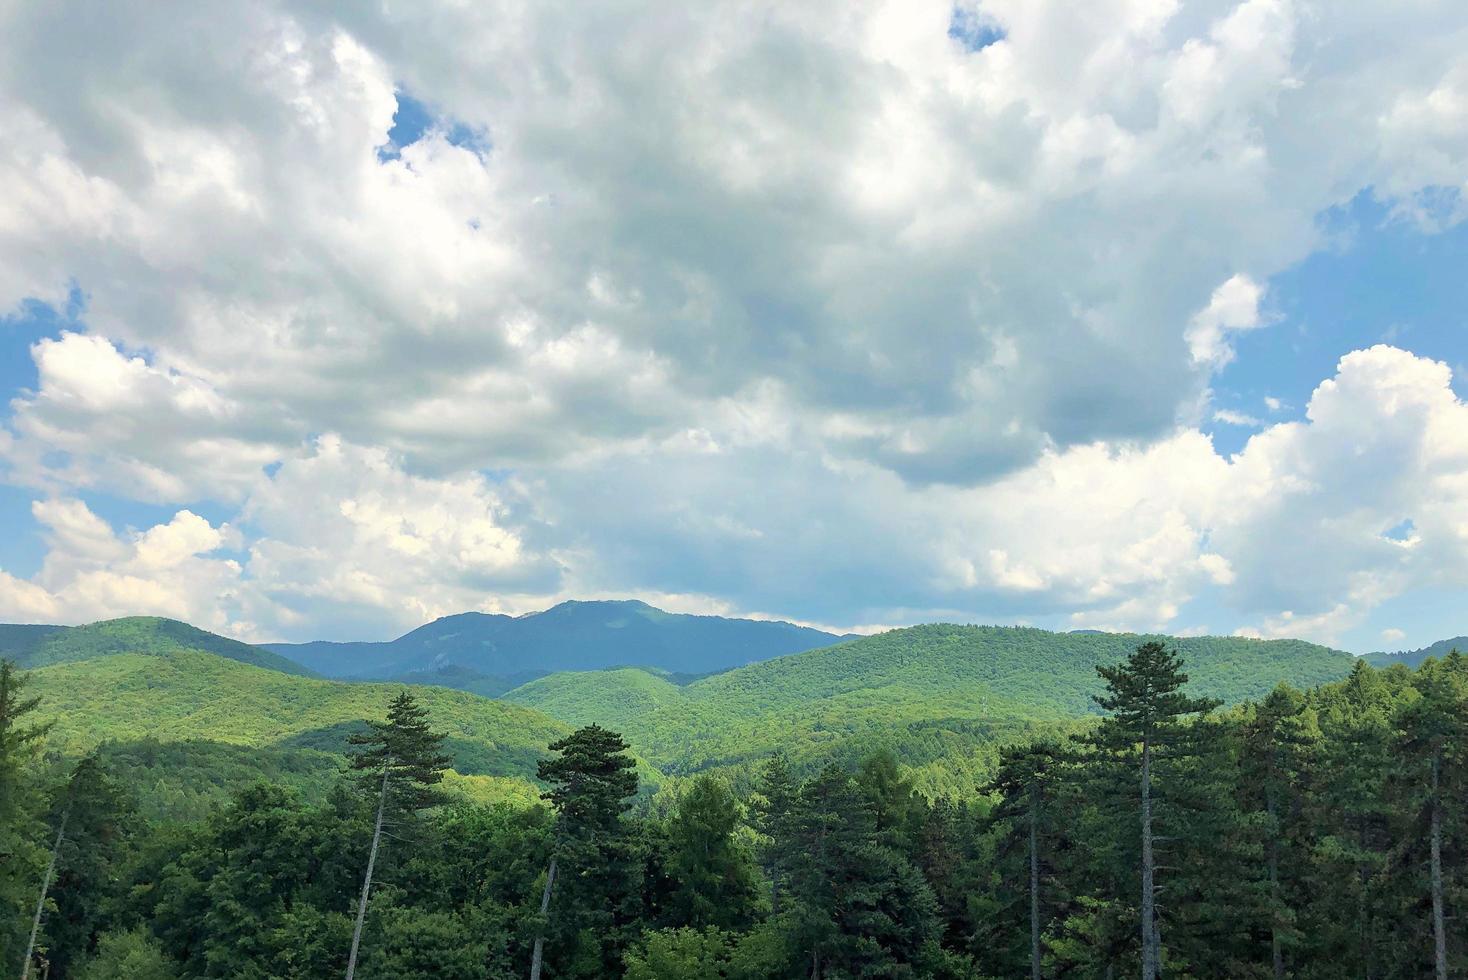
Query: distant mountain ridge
x=1412, y=658
x=570, y=636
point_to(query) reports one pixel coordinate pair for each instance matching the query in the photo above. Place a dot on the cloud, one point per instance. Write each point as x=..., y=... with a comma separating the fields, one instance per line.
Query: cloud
x=346, y=535
x=949, y=260
x=1230, y=417
x=1234, y=307
x=90, y=573
x=811, y=309
x=1287, y=535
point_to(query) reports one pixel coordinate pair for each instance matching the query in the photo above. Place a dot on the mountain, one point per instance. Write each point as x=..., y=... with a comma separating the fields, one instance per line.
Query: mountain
x=40, y=646
x=191, y=716
x=933, y=692
x=1411, y=658
x=569, y=636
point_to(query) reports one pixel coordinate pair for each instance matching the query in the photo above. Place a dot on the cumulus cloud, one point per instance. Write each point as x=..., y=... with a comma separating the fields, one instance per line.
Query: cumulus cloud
x=1234, y=306
x=171, y=569
x=671, y=209
x=1297, y=534
x=722, y=299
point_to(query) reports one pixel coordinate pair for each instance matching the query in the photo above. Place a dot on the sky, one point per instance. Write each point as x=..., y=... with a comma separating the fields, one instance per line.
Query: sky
x=323, y=322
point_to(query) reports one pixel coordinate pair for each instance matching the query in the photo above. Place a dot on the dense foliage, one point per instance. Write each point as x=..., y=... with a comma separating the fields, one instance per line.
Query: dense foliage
x=186, y=694
x=937, y=696
x=1316, y=833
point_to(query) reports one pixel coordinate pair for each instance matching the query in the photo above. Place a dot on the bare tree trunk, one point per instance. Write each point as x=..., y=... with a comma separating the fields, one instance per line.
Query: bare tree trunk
x=1034, y=893
x=1276, y=948
x=1150, y=953
x=30, y=949
x=545, y=896
x=367, y=878
x=1439, y=936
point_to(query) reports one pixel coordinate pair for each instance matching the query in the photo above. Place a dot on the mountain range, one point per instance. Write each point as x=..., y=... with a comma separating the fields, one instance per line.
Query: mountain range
x=1411, y=658
x=200, y=713
x=490, y=649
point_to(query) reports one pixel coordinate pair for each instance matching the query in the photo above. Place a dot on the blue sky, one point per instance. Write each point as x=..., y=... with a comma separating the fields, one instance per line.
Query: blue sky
x=1382, y=280
x=858, y=316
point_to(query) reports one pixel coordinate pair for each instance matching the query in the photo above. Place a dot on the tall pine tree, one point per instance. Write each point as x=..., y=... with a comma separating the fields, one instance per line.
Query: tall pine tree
x=404, y=759
x=1147, y=710
x=592, y=783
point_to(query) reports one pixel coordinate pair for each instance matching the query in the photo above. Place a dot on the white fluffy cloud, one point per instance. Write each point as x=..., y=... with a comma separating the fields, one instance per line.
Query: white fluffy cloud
x=1298, y=533
x=727, y=297
x=664, y=210
x=91, y=573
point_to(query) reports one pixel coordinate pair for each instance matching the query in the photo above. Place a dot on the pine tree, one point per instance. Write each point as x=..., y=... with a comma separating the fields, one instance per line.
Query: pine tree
x=404, y=759
x=858, y=906
x=1351, y=818
x=93, y=818
x=592, y=783
x=1432, y=744
x=1026, y=783
x=1275, y=746
x=1147, y=706
x=774, y=811
x=714, y=886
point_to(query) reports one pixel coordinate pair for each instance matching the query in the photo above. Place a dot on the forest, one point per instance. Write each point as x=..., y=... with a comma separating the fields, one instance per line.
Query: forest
x=1310, y=833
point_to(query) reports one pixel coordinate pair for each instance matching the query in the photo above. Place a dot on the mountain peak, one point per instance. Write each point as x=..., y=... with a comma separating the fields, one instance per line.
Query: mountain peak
x=577, y=634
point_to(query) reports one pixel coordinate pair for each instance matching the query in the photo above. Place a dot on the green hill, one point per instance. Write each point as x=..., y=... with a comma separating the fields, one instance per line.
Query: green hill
x=184, y=695
x=41, y=646
x=912, y=689
x=620, y=695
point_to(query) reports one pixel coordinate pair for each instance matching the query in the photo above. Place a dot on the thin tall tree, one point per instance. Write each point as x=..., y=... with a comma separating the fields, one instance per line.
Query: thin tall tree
x=1145, y=699
x=1025, y=782
x=403, y=762
x=592, y=783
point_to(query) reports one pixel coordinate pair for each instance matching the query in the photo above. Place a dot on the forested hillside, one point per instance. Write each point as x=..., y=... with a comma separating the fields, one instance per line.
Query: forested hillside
x=187, y=694
x=935, y=695
x=39, y=646
x=569, y=636
x=1314, y=834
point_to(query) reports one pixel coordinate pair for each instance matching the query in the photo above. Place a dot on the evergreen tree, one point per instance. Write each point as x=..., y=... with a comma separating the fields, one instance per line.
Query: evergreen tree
x=593, y=867
x=1348, y=924
x=1146, y=704
x=859, y=907
x=1433, y=747
x=1026, y=784
x=404, y=759
x=94, y=820
x=774, y=811
x=409, y=752
x=710, y=870
x=1276, y=741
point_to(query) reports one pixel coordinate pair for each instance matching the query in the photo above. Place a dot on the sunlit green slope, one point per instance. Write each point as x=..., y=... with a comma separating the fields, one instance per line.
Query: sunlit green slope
x=191, y=695
x=927, y=685
x=41, y=646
